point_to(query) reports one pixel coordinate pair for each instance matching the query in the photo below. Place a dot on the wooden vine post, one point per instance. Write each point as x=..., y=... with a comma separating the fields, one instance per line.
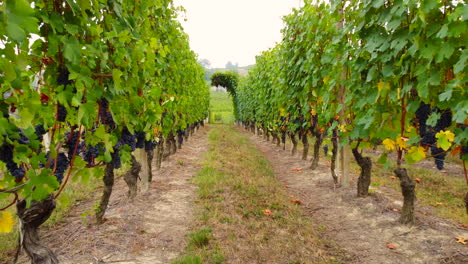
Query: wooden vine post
x=344, y=153
x=144, y=173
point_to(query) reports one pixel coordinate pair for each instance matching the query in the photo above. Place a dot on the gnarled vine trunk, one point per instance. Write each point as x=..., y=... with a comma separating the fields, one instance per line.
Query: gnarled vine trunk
x=292, y=135
x=334, y=156
x=167, y=148
x=151, y=159
x=305, y=144
x=466, y=202
x=365, y=177
x=283, y=139
x=180, y=140
x=267, y=134
x=131, y=178
x=317, y=145
x=31, y=218
x=409, y=196
x=150, y=156
x=275, y=139
x=173, y=145
x=108, y=184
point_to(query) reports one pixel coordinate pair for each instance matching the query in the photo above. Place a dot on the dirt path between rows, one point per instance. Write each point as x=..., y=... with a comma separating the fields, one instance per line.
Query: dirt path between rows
x=362, y=227
x=151, y=230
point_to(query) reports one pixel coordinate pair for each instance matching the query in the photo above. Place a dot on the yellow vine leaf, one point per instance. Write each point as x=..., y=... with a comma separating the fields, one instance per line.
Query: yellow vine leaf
x=342, y=128
x=6, y=222
x=326, y=79
x=389, y=144
x=383, y=85
x=416, y=154
x=445, y=139
x=401, y=142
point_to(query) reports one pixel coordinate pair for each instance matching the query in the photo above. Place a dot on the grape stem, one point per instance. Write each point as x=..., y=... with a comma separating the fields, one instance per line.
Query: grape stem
x=14, y=190
x=12, y=203
x=71, y=164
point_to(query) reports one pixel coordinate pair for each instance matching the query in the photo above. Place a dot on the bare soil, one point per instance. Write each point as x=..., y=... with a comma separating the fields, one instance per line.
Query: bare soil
x=363, y=227
x=149, y=230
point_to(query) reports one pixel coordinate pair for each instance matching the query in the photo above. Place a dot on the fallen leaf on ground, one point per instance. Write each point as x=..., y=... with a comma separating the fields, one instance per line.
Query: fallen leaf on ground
x=297, y=169
x=393, y=177
x=267, y=212
x=418, y=180
x=438, y=204
x=462, y=240
x=391, y=246
x=6, y=222
x=296, y=201
x=396, y=210
x=463, y=226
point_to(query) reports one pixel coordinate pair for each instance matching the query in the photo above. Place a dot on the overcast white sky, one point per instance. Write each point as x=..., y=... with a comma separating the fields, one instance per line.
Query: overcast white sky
x=234, y=30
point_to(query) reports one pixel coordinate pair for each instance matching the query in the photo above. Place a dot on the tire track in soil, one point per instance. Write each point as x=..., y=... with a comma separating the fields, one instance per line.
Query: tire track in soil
x=362, y=227
x=151, y=230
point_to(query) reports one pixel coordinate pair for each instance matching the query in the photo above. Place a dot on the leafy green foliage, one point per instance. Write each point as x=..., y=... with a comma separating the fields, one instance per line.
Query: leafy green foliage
x=132, y=54
x=366, y=76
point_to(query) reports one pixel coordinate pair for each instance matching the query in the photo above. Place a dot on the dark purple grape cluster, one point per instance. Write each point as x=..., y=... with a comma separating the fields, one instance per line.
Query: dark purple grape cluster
x=422, y=114
x=313, y=127
x=40, y=132
x=428, y=139
x=140, y=139
x=428, y=133
x=180, y=136
x=116, y=159
x=104, y=113
x=444, y=121
x=61, y=113
x=70, y=143
x=22, y=138
x=63, y=78
x=90, y=153
x=6, y=155
x=62, y=166
x=439, y=156
x=127, y=138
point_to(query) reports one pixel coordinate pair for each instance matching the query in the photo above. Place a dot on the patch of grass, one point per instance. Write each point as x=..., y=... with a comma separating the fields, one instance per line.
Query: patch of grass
x=200, y=238
x=188, y=260
x=247, y=210
x=221, y=108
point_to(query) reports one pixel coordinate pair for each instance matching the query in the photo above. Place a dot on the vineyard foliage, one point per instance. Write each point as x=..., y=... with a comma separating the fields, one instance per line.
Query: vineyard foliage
x=81, y=78
x=364, y=68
